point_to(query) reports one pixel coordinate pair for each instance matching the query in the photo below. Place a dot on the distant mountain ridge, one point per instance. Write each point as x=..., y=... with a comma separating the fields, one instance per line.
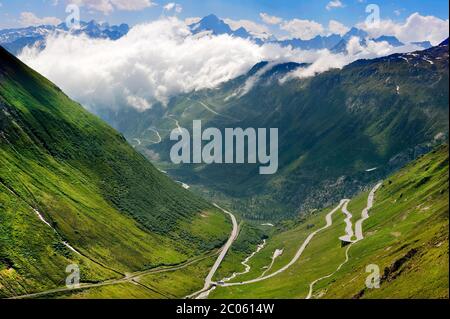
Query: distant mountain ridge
x=14, y=40
x=334, y=42
x=216, y=26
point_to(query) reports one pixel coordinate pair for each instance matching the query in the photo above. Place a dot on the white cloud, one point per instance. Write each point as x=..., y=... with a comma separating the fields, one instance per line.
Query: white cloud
x=303, y=29
x=30, y=19
x=151, y=63
x=325, y=60
x=255, y=29
x=107, y=6
x=137, y=102
x=415, y=28
x=270, y=19
x=334, y=4
x=132, y=5
x=172, y=6
x=335, y=27
x=158, y=60
x=192, y=20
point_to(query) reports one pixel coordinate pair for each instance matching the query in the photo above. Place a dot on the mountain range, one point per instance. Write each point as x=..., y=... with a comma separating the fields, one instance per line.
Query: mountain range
x=338, y=130
x=334, y=42
x=14, y=40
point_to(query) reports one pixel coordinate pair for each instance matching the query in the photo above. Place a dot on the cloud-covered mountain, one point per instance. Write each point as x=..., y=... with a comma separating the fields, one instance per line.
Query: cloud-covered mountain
x=14, y=40
x=333, y=127
x=211, y=24
x=394, y=41
x=423, y=44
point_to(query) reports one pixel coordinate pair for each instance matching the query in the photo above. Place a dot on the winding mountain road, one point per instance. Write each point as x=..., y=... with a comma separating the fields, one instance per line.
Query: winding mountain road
x=365, y=213
x=329, y=222
x=208, y=281
x=348, y=224
x=127, y=279
x=177, y=123
x=138, y=142
x=359, y=234
x=343, y=205
x=157, y=134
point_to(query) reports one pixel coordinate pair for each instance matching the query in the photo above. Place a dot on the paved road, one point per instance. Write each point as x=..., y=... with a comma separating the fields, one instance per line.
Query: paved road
x=208, y=108
x=365, y=213
x=128, y=278
x=208, y=281
x=157, y=134
x=348, y=237
x=359, y=235
x=177, y=123
x=138, y=141
x=329, y=222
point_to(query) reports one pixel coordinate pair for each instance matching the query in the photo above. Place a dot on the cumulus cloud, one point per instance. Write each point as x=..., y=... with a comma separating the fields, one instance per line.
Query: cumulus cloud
x=334, y=4
x=335, y=27
x=325, y=60
x=172, y=6
x=30, y=19
x=308, y=29
x=415, y=28
x=303, y=29
x=150, y=64
x=270, y=19
x=192, y=20
x=158, y=60
x=107, y=6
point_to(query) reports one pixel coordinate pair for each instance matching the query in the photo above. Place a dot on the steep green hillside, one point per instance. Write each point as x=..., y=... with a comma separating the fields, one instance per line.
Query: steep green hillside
x=73, y=191
x=406, y=236
x=409, y=237
x=338, y=130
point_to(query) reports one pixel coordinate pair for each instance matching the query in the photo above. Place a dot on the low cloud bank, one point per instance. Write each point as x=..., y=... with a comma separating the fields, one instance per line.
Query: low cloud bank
x=355, y=51
x=415, y=28
x=158, y=60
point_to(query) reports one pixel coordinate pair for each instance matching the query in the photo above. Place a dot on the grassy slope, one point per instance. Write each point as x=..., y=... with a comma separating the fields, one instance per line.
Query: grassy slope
x=408, y=236
x=101, y=196
x=409, y=218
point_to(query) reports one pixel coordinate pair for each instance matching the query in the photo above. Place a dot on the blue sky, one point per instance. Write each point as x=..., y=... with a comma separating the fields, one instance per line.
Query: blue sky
x=349, y=13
